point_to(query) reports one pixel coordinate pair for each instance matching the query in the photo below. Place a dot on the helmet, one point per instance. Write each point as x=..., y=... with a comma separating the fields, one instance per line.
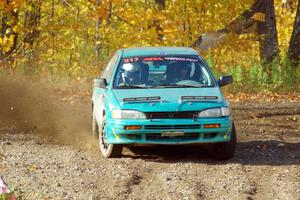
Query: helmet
x=131, y=67
x=131, y=70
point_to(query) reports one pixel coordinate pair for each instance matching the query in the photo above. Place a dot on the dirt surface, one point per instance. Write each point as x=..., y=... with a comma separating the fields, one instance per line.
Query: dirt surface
x=61, y=160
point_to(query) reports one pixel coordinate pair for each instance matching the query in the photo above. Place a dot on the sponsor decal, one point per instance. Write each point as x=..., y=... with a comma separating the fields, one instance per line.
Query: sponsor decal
x=153, y=59
x=181, y=59
x=130, y=60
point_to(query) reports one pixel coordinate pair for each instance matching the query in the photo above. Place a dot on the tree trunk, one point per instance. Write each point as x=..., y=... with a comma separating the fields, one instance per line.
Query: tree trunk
x=52, y=9
x=294, y=48
x=109, y=12
x=97, y=36
x=8, y=21
x=259, y=19
x=32, y=19
x=268, y=40
x=52, y=33
x=161, y=4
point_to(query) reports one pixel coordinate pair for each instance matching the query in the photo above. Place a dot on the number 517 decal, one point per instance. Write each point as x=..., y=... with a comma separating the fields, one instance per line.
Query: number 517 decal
x=127, y=60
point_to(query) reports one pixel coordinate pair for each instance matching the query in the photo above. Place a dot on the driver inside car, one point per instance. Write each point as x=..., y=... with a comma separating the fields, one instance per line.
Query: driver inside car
x=130, y=74
x=183, y=71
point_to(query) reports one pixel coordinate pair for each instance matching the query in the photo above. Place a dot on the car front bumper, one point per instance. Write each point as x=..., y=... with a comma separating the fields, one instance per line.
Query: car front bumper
x=151, y=131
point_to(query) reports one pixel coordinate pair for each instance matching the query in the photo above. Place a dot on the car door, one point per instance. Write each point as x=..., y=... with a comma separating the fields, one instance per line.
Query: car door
x=99, y=93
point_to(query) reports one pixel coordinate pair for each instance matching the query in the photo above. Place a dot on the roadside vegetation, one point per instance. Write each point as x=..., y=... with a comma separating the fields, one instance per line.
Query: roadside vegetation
x=62, y=41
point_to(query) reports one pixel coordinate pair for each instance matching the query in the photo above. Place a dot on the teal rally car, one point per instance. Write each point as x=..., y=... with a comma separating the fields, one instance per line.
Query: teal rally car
x=161, y=95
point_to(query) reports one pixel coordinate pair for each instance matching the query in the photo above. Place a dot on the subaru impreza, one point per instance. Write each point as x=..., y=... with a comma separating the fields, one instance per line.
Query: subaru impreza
x=161, y=95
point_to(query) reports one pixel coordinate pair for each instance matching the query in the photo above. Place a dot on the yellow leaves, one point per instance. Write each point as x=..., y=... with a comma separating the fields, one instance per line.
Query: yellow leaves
x=6, y=43
x=284, y=21
x=68, y=38
x=106, y=30
x=167, y=31
x=50, y=51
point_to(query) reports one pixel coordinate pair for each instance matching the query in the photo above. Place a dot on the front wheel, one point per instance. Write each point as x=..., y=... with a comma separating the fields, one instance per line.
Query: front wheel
x=225, y=150
x=95, y=128
x=108, y=150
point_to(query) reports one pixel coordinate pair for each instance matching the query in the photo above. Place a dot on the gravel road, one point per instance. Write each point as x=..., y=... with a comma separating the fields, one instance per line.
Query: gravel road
x=64, y=162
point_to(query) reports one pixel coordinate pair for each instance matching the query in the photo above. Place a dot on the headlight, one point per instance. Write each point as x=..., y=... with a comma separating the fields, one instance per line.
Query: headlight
x=215, y=112
x=127, y=114
x=225, y=111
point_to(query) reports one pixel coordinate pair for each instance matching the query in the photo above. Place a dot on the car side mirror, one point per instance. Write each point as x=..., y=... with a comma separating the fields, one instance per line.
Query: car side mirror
x=100, y=83
x=225, y=80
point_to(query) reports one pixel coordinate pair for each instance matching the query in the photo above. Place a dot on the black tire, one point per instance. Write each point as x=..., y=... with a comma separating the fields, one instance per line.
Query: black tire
x=95, y=127
x=138, y=150
x=225, y=150
x=108, y=150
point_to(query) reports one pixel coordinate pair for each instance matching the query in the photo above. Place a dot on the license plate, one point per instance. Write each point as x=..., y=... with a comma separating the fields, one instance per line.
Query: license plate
x=170, y=133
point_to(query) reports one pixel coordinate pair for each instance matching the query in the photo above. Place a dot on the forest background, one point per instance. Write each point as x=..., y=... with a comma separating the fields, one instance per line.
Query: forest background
x=72, y=40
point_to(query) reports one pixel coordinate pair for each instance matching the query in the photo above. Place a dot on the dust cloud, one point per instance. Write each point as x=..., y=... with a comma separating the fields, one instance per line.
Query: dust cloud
x=33, y=107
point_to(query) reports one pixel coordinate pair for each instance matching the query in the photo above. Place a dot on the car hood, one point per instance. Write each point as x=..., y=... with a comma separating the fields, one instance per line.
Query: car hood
x=170, y=99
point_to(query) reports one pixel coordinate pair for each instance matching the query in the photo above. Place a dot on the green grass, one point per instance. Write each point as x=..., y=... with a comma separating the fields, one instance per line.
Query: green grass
x=283, y=78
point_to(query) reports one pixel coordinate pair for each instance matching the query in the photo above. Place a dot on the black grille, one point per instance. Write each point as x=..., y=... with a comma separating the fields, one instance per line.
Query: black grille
x=133, y=136
x=171, y=115
x=186, y=136
x=209, y=135
x=154, y=127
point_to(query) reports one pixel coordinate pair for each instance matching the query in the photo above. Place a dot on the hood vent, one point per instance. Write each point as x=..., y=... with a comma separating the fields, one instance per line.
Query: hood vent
x=141, y=99
x=198, y=98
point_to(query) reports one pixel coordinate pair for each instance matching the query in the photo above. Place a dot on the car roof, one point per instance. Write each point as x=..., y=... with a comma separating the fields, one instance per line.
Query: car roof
x=156, y=51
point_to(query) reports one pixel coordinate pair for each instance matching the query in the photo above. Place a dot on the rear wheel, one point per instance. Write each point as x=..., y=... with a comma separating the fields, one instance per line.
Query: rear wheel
x=108, y=150
x=225, y=150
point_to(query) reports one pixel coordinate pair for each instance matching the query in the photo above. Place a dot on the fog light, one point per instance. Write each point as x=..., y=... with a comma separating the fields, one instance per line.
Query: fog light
x=132, y=127
x=212, y=125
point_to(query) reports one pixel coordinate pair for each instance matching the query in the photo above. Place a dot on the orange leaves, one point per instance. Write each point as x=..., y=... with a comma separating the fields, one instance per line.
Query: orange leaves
x=70, y=31
x=12, y=5
x=101, y=12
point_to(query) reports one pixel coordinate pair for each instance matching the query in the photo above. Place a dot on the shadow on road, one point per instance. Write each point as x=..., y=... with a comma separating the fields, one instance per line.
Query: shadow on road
x=269, y=152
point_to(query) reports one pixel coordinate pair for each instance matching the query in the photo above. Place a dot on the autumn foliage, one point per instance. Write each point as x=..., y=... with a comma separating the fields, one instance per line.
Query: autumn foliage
x=74, y=39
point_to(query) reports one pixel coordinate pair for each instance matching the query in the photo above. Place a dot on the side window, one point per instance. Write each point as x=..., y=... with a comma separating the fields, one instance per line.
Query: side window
x=109, y=69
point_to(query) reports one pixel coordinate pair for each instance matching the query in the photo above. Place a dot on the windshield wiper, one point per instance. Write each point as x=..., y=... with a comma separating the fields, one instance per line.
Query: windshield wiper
x=167, y=85
x=187, y=85
x=130, y=86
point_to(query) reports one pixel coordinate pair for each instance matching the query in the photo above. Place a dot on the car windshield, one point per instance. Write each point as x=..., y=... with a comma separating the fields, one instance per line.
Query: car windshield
x=162, y=72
